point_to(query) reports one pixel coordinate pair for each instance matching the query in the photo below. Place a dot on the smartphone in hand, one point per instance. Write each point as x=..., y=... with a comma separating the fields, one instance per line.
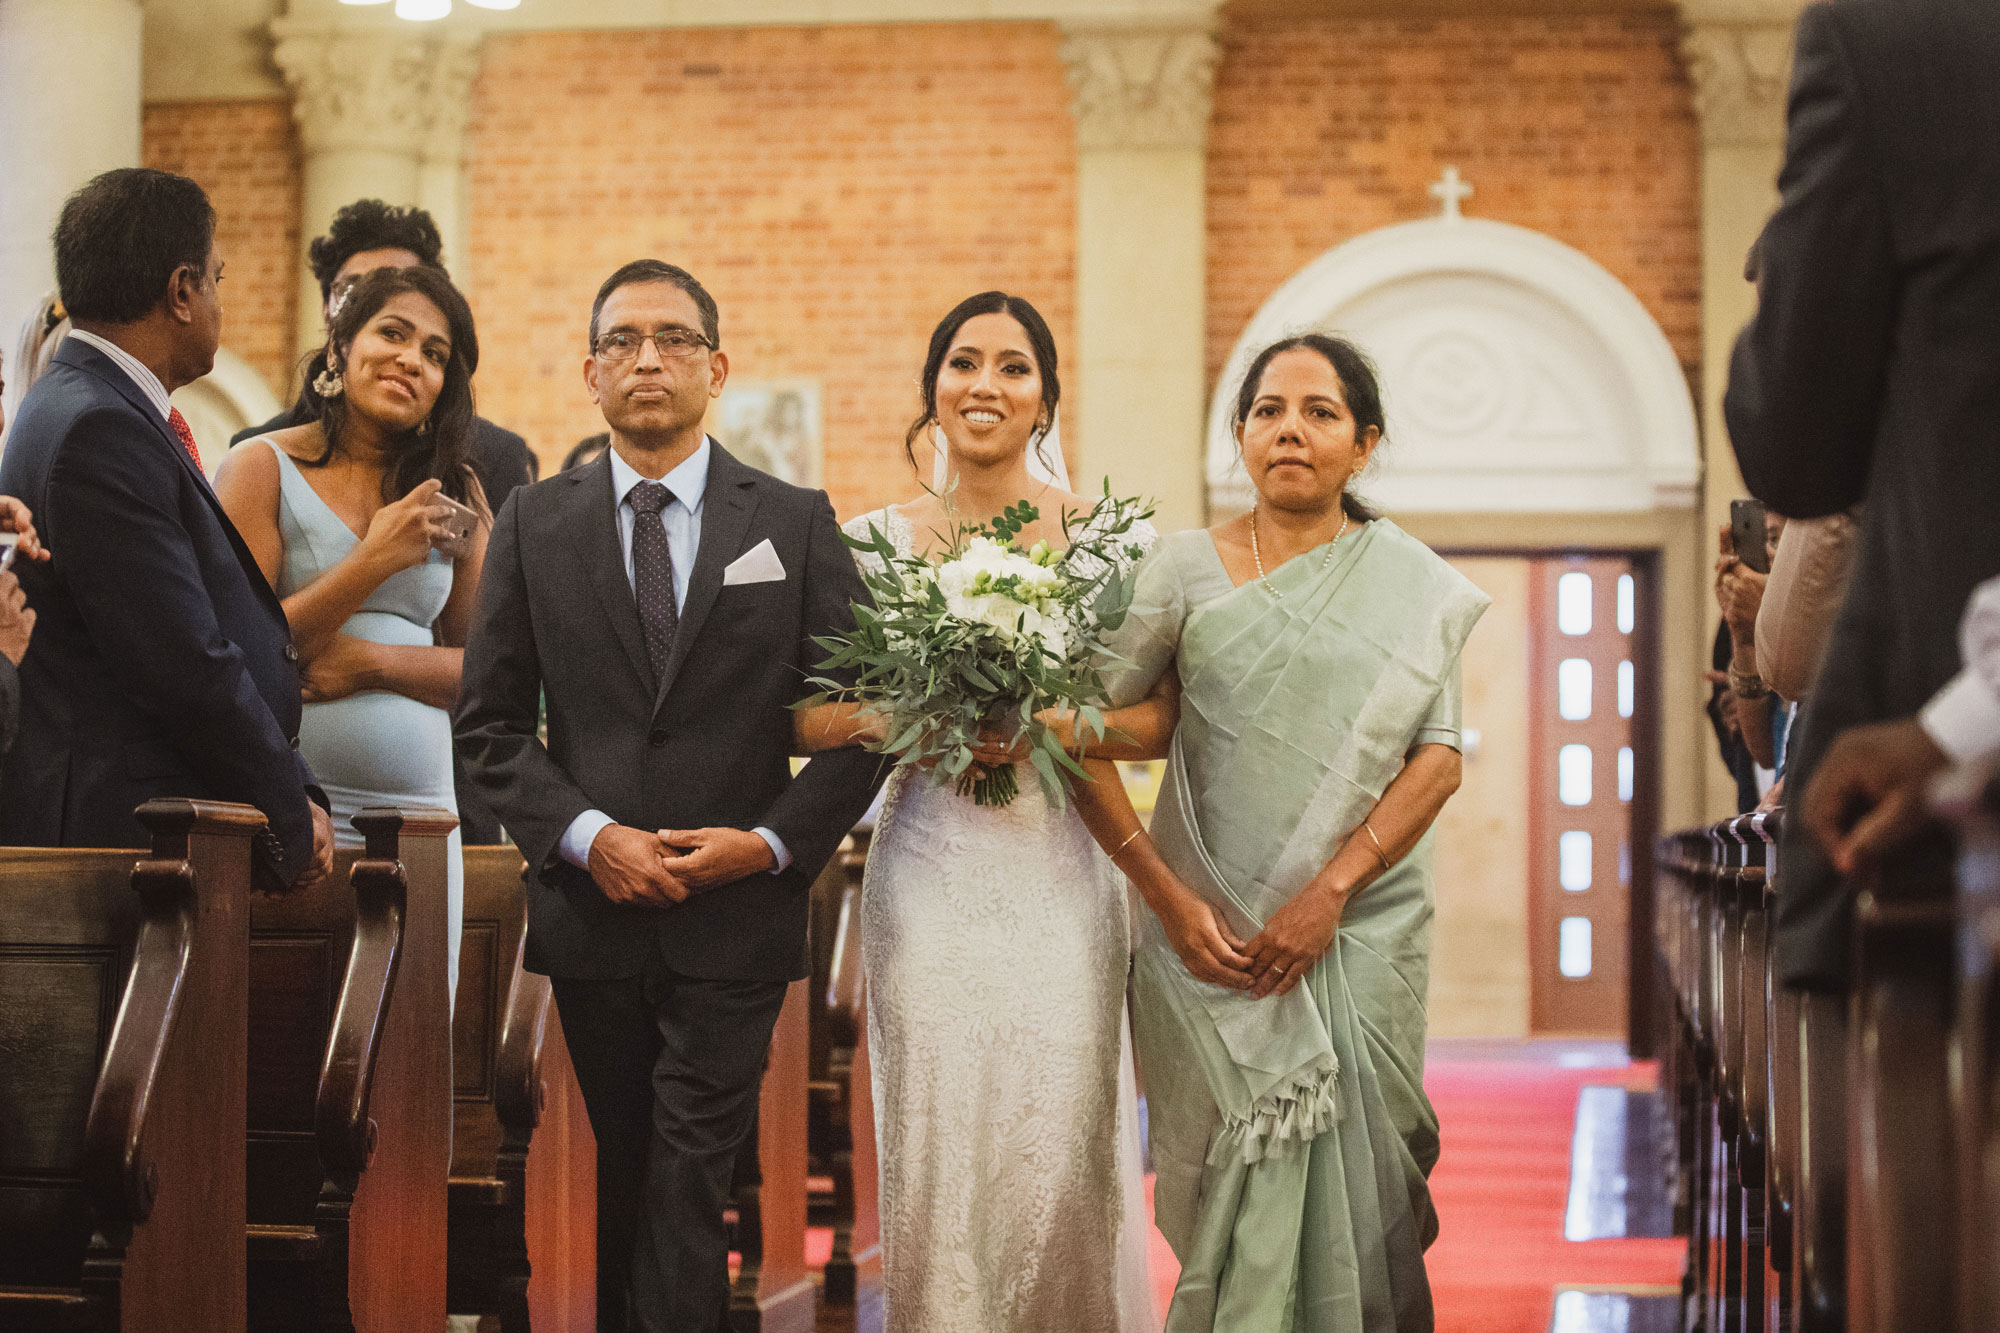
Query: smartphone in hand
x=1747, y=532
x=458, y=521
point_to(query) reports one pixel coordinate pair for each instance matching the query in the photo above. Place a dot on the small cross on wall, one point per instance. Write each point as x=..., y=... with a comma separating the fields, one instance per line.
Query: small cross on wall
x=1450, y=190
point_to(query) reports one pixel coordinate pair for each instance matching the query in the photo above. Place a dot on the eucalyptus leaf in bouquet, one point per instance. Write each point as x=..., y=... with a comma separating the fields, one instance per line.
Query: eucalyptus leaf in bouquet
x=983, y=636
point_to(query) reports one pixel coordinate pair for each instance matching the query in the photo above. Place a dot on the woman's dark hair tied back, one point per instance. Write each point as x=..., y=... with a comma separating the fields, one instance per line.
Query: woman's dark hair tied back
x=1040, y=341
x=442, y=446
x=1359, y=384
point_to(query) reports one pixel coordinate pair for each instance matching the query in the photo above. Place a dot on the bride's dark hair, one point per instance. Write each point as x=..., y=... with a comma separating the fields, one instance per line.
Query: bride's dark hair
x=1040, y=341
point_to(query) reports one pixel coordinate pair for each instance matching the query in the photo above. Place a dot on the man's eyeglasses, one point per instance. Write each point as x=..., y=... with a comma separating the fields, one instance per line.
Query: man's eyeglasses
x=623, y=344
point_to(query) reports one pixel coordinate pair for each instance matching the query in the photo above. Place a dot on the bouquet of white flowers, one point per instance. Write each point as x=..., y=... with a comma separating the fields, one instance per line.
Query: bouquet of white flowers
x=987, y=636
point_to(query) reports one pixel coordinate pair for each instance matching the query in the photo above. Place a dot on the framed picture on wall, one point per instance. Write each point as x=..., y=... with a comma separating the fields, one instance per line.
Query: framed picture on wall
x=774, y=425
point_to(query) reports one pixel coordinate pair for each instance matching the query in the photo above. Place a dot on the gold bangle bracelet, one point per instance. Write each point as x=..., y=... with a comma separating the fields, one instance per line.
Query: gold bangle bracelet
x=1127, y=843
x=1380, y=855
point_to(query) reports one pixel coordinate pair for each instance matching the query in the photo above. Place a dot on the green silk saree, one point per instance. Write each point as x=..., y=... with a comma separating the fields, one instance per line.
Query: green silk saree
x=1291, y=1136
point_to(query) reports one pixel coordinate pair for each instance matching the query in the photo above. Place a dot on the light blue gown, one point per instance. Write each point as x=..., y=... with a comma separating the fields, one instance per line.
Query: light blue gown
x=375, y=747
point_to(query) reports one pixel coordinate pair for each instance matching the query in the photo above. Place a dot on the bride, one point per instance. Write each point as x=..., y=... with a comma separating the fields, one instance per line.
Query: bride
x=996, y=942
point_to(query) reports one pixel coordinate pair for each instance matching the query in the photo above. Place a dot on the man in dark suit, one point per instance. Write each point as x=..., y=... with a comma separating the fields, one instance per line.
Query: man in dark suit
x=1872, y=372
x=663, y=600
x=366, y=235
x=163, y=665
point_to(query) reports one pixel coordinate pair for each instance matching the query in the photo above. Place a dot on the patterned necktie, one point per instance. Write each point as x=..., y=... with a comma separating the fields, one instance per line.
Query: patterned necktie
x=180, y=425
x=653, y=572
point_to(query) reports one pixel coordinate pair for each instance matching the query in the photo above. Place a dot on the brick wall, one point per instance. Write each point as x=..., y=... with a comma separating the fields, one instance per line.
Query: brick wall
x=1582, y=128
x=245, y=154
x=838, y=189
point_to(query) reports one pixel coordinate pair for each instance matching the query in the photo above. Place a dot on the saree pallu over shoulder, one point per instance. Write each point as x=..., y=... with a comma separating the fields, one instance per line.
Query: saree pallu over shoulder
x=1290, y=1133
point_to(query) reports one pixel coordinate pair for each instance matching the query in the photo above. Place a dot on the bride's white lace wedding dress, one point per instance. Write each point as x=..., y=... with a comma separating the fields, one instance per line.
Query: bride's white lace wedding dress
x=996, y=943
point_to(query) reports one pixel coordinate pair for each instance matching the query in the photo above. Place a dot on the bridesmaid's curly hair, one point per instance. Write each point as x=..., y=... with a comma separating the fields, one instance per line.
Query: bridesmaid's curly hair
x=444, y=450
x=1359, y=384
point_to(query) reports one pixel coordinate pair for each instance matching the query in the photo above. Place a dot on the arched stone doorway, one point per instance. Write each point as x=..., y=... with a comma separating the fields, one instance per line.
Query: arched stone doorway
x=1520, y=376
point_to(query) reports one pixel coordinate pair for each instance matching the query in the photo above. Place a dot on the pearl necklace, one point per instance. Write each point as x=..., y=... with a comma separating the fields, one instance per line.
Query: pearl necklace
x=1257, y=555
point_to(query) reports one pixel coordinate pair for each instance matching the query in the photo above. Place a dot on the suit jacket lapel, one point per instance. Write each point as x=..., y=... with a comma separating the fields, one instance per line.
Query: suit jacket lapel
x=727, y=505
x=593, y=525
x=87, y=358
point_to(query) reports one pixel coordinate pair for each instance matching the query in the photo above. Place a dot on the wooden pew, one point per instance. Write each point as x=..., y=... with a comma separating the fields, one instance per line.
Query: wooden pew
x=349, y=1128
x=1971, y=801
x=498, y=1027
x=562, y=1198
x=836, y=1136
x=773, y=1291
x=123, y=997
x=1902, y=1191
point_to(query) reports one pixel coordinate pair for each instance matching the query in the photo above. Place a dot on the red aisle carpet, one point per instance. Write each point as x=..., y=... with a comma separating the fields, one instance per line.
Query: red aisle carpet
x=1500, y=1188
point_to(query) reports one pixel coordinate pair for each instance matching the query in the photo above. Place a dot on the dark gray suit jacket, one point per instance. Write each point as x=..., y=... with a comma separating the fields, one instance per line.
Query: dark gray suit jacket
x=708, y=746
x=1872, y=372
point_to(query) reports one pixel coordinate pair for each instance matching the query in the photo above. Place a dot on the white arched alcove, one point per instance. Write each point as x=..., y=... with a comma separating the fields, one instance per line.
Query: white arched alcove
x=225, y=400
x=1518, y=375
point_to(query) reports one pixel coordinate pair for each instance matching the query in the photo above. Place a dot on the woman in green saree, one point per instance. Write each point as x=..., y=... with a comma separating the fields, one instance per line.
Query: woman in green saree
x=1280, y=977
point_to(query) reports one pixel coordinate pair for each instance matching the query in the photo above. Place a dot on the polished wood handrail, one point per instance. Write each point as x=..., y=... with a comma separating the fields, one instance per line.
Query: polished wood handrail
x=341, y=1123
x=116, y=1173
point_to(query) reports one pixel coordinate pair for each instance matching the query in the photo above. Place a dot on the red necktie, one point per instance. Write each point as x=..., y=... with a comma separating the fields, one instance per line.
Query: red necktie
x=180, y=425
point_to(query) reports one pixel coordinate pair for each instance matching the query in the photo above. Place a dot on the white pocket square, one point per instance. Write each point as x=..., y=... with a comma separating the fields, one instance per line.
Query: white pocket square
x=759, y=564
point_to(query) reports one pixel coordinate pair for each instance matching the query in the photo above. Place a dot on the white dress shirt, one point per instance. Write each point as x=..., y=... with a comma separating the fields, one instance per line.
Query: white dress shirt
x=682, y=521
x=1964, y=717
x=149, y=383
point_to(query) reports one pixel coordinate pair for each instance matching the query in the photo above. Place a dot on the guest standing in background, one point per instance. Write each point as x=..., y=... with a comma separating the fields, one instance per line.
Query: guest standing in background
x=344, y=518
x=1869, y=372
x=162, y=663
x=366, y=235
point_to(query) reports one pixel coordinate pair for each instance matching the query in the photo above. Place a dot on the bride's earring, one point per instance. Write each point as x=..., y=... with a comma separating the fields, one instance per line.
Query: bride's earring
x=328, y=384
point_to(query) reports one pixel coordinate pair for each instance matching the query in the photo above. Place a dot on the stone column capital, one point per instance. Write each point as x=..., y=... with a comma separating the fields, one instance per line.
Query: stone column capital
x=399, y=90
x=1141, y=84
x=1741, y=69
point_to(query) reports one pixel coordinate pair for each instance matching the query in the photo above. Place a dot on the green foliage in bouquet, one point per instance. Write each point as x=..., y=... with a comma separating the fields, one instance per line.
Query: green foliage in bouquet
x=986, y=636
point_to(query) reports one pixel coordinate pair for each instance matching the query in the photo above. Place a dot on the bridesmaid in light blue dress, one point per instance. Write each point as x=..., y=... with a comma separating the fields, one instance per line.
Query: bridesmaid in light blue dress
x=372, y=529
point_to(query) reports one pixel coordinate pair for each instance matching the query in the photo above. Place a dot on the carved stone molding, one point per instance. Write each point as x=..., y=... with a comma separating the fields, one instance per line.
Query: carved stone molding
x=396, y=91
x=1740, y=74
x=1140, y=86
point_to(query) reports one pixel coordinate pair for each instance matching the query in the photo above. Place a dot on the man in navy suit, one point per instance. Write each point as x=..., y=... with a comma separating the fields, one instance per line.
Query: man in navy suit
x=163, y=665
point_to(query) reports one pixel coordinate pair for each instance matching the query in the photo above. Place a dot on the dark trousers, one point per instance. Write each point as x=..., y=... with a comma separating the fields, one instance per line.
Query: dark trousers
x=670, y=1068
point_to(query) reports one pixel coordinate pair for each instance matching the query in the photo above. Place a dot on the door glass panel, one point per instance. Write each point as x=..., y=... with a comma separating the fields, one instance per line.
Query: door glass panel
x=1624, y=689
x=1575, y=859
x=1625, y=608
x=1573, y=603
x=1573, y=947
x=1573, y=689
x=1573, y=775
x=1624, y=772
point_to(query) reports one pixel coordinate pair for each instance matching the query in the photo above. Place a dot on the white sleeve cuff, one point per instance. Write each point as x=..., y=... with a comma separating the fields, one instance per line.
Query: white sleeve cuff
x=782, y=858
x=1964, y=718
x=582, y=831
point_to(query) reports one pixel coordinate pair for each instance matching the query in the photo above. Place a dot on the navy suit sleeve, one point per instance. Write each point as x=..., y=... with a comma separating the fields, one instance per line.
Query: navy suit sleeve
x=1806, y=381
x=10, y=704
x=835, y=788
x=498, y=722
x=126, y=560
